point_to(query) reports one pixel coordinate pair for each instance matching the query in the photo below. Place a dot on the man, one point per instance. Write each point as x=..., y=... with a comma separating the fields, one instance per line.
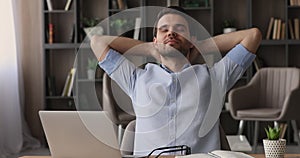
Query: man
x=171, y=99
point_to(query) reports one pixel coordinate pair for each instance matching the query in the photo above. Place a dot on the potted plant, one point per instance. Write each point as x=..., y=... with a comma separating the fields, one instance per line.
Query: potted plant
x=91, y=28
x=274, y=146
x=228, y=26
x=91, y=67
x=120, y=25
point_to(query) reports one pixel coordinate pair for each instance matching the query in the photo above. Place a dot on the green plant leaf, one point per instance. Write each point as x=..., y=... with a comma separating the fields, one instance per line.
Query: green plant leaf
x=273, y=133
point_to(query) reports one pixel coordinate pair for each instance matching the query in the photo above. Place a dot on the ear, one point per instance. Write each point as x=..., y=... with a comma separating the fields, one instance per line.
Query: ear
x=154, y=40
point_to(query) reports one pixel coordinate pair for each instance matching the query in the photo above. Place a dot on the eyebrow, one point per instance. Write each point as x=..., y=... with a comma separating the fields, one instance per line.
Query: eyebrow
x=176, y=25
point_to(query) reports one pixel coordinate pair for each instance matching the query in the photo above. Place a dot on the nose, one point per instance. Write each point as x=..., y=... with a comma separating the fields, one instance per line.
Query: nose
x=172, y=34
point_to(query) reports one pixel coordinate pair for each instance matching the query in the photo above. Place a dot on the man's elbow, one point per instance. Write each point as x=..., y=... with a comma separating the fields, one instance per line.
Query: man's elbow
x=95, y=40
x=253, y=39
x=256, y=35
x=99, y=46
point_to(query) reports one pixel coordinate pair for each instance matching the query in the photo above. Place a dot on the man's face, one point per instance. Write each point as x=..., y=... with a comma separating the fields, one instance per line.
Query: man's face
x=173, y=32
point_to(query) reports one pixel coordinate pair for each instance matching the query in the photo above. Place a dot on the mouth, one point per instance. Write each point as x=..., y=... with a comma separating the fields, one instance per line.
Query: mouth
x=171, y=41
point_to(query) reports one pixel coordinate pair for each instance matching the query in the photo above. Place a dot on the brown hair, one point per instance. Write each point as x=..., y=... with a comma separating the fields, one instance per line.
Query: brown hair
x=171, y=10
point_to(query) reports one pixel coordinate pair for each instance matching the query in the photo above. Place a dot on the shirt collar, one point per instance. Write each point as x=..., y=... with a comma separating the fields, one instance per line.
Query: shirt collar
x=170, y=71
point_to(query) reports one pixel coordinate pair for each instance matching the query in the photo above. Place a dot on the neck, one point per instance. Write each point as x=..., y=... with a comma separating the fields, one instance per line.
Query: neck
x=175, y=64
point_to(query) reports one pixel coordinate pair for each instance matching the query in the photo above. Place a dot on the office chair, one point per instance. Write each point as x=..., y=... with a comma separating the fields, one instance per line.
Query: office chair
x=273, y=94
x=113, y=98
x=128, y=139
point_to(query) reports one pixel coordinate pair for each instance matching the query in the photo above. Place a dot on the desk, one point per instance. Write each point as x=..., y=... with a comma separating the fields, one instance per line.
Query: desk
x=254, y=155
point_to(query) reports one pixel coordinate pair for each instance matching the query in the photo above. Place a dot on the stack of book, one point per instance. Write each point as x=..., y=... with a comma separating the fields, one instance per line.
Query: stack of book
x=294, y=2
x=276, y=29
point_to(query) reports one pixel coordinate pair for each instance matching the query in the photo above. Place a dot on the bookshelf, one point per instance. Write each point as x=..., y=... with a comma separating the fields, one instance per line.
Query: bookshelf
x=62, y=39
x=60, y=55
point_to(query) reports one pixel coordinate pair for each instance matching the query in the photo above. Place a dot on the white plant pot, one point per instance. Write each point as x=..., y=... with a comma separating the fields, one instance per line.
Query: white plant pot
x=274, y=148
x=227, y=30
x=91, y=74
x=91, y=31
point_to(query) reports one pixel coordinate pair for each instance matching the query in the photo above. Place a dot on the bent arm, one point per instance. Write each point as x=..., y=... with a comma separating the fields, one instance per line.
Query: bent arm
x=249, y=38
x=101, y=44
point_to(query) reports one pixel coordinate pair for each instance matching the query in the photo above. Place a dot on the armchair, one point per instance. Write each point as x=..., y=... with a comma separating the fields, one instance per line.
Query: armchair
x=273, y=94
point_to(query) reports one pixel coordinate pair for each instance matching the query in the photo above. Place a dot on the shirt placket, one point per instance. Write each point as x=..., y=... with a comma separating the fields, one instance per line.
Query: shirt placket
x=172, y=110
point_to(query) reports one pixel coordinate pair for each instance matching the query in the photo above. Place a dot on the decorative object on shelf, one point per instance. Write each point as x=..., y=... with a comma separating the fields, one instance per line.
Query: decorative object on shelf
x=274, y=146
x=119, y=25
x=91, y=28
x=228, y=26
x=91, y=67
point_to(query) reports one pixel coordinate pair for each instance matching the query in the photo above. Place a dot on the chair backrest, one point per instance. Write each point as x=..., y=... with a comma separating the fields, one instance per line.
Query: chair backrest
x=274, y=84
x=116, y=102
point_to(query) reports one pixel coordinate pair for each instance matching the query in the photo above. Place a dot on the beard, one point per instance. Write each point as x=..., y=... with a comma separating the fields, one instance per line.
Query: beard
x=167, y=50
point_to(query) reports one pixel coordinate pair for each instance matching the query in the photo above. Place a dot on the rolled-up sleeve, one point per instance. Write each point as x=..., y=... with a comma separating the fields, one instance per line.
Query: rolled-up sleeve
x=121, y=70
x=241, y=56
x=111, y=62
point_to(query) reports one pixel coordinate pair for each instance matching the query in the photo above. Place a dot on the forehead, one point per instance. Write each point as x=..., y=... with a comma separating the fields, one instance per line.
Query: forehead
x=171, y=19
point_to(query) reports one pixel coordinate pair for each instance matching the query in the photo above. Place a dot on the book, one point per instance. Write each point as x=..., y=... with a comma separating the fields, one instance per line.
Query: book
x=70, y=88
x=271, y=22
x=137, y=28
x=121, y=4
x=68, y=4
x=218, y=153
x=291, y=30
x=69, y=83
x=282, y=34
x=296, y=28
x=49, y=5
x=50, y=33
x=275, y=29
x=278, y=29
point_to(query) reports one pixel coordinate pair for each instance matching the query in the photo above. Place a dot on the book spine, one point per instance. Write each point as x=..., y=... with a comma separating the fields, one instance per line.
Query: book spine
x=49, y=5
x=275, y=29
x=72, y=77
x=291, y=30
x=270, y=28
x=121, y=4
x=51, y=33
x=296, y=27
x=278, y=29
x=67, y=84
x=67, y=6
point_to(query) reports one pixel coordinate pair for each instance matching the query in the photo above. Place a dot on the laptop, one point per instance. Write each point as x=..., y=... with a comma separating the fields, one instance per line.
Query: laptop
x=79, y=134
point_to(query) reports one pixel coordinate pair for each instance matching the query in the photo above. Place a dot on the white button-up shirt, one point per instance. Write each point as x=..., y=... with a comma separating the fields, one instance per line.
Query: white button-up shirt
x=170, y=106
